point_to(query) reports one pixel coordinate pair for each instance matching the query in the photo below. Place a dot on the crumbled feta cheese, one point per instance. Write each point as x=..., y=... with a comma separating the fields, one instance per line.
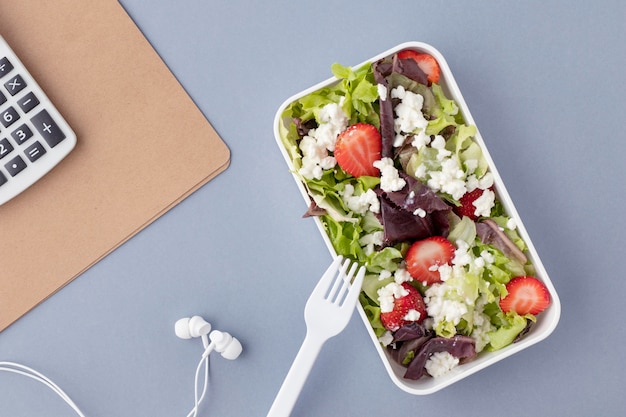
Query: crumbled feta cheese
x=409, y=116
x=442, y=308
x=511, y=224
x=471, y=165
x=449, y=180
x=388, y=294
x=370, y=240
x=386, y=338
x=481, y=324
x=440, y=363
x=420, y=140
x=445, y=272
x=461, y=254
x=420, y=212
x=488, y=257
x=486, y=181
x=390, y=180
x=484, y=203
x=412, y=315
x=384, y=274
x=439, y=142
x=317, y=144
x=361, y=203
x=333, y=121
x=421, y=171
x=382, y=92
x=402, y=275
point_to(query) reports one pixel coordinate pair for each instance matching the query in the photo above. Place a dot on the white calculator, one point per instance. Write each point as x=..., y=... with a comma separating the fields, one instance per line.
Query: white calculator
x=34, y=137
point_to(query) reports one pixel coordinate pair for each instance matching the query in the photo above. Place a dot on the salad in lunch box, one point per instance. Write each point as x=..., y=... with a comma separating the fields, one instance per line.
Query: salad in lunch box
x=401, y=186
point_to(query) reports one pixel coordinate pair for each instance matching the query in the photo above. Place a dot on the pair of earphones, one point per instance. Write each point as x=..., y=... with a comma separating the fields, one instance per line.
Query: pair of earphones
x=228, y=346
x=222, y=342
x=185, y=328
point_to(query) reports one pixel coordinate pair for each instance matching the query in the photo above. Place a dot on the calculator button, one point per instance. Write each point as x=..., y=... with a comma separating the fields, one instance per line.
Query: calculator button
x=5, y=66
x=3, y=179
x=5, y=148
x=35, y=151
x=47, y=128
x=3, y=98
x=9, y=116
x=15, y=85
x=22, y=134
x=28, y=102
x=15, y=166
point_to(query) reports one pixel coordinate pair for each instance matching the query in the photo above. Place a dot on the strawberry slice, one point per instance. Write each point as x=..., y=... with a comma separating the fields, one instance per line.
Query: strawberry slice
x=526, y=295
x=424, y=256
x=467, y=207
x=426, y=62
x=402, y=309
x=357, y=148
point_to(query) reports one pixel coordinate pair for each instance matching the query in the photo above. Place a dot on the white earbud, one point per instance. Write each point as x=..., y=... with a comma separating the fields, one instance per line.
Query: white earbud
x=196, y=326
x=224, y=343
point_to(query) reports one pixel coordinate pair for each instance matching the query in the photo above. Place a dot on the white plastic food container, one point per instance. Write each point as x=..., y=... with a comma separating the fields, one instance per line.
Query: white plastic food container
x=546, y=321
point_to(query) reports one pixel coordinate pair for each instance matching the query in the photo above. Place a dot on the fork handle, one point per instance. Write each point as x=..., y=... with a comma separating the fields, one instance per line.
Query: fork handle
x=296, y=377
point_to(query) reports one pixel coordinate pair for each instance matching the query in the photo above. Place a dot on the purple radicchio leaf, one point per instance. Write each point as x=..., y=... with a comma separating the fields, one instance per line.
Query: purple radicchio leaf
x=462, y=347
x=410, y=69
x=408, y=338
x=490, y=234
x=399, y=213
x=381, y=70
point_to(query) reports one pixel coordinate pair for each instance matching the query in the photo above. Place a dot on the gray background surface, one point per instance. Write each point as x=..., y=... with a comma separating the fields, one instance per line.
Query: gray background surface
x=544, y=82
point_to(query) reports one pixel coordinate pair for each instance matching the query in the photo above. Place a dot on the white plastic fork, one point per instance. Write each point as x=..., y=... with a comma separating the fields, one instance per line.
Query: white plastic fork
x=326, y=314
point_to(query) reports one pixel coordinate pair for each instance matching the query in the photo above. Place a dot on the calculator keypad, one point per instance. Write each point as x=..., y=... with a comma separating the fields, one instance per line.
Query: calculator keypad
x=33, y=135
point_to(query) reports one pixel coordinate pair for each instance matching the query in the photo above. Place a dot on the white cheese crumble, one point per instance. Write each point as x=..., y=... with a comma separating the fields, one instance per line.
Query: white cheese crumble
x=439, y=143
x=390, y=180
x=386, y=338
x=481, y=324
x=384, y=274
x=511, y=224
x=440, y=307
x=440, y=363
x=412, y=315
x=361, y=203
x=484, y=203
x=382, y=92
x=317, y=144
x=402, y=275
x=461, y=255
x=409, y=117
x=419, y=212
x=451, y=179
x=488, y=257
x=388, y=294
x=370, y=240
x=483, y=183
x=421, y=140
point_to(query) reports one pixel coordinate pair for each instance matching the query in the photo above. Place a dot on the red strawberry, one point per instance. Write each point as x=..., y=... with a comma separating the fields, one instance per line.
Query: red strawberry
x=467, y=207
x=425, y=255
x=426, y=62
x=357, y=148
x=396, y=318
x=526, y=295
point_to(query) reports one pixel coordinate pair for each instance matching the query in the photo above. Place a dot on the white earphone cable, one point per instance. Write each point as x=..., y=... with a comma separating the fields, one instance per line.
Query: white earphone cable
x=19, y=369
x=197, y=401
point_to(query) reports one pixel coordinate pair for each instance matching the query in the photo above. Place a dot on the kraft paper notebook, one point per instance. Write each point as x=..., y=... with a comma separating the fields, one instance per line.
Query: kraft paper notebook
x=142, y=145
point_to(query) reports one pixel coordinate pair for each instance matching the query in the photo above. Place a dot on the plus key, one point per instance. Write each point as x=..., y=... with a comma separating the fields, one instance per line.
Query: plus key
x=47, y=128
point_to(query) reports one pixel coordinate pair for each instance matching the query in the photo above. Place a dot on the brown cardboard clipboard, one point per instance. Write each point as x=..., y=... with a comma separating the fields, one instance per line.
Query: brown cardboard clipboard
x=143, y=145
